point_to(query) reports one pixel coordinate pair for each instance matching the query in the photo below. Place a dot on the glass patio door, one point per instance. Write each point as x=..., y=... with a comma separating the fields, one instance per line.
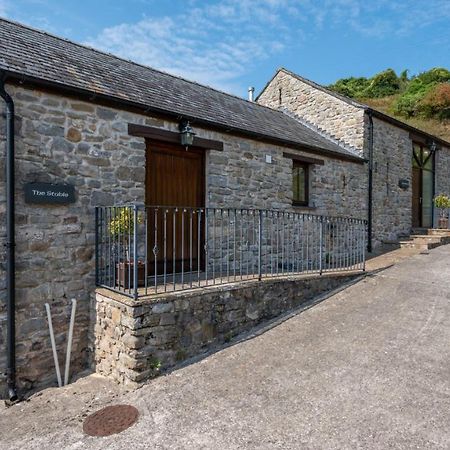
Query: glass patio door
x=422, y=187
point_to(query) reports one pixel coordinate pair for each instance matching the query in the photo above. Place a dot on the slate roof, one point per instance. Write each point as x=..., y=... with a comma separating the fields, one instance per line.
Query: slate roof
x=29, y=54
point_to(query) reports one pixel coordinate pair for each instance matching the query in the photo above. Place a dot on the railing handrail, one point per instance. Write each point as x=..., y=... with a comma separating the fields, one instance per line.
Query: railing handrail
x=204, y=208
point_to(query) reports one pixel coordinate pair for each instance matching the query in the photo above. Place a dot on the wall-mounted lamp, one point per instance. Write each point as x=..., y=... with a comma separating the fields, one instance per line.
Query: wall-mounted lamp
x=187, y=134
x=433, y=147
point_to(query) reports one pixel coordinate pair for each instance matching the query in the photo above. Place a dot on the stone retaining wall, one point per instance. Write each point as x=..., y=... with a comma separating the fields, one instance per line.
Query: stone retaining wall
x=133, y=339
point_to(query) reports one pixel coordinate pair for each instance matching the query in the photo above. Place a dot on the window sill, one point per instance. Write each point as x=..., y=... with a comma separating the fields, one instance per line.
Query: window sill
x=304, y=207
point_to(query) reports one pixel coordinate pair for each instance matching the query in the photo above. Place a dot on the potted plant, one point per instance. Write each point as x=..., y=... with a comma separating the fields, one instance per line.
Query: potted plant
x=121, y=228
x=442, y=203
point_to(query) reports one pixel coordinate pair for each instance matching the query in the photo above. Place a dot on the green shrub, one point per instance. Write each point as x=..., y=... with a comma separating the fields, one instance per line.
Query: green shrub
x=426, y=95
x=351, y=87
x=436, y=102
x=383, y=84
x=423, y=97
x=442, y=201
x=435, y=75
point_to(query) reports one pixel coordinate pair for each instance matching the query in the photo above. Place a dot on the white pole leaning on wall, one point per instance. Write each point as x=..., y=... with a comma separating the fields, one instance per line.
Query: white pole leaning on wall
x=52, y=339
x=69, y=341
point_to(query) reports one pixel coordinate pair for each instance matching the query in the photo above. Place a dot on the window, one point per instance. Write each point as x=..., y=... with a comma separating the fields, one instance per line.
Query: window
x=300, y=184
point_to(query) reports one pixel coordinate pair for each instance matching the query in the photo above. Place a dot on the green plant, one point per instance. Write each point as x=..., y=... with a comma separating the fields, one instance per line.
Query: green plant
x=436, y=103
x=154, y=364
x=122, y=222
x=121, y=226
x=442, y=202
x=383, y=84
x=351, y=87
x=426, y=95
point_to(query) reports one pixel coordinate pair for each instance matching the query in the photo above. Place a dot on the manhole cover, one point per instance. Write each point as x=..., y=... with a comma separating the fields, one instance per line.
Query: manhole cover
x=110, y=420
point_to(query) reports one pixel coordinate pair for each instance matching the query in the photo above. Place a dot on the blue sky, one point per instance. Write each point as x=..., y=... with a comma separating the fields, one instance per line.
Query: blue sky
x=232, y=44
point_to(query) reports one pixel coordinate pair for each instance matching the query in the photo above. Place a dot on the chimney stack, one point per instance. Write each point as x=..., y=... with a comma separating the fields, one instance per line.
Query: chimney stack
x=251, y=92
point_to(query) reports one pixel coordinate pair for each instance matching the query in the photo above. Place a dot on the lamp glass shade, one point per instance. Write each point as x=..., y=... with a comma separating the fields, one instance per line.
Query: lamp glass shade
x=187, y=135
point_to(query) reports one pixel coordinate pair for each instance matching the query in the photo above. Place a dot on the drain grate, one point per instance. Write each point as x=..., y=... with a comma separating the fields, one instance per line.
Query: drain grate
x=110, y=420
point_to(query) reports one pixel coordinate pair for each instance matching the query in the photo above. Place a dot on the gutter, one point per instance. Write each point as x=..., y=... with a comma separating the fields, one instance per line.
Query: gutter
x=10, y=245
x=370, y=182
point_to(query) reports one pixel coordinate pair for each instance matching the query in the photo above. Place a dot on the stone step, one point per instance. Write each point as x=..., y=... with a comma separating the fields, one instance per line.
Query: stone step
x=419, y=245
x=438, y=232
x=426, y=238
x=419, y=231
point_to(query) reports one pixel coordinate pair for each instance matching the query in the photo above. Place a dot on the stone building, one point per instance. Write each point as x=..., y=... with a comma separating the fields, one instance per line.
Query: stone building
x=403, y=186
x=110, y=130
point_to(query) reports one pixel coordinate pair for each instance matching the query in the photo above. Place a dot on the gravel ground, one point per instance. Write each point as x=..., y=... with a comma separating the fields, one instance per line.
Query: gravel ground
x=368, y=367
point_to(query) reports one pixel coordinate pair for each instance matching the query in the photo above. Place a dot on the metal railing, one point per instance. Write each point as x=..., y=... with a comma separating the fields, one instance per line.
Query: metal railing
x=146, y=250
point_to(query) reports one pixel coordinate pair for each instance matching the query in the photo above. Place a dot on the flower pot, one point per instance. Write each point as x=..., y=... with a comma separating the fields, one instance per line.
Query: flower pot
x=124, y=274
x=443, y=223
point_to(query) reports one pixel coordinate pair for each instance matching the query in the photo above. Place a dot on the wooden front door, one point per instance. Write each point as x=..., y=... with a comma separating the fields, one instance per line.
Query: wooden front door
x=174, y=178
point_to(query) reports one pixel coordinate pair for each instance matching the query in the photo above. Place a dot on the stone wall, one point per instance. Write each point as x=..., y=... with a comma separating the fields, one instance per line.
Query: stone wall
x=240, y=177
x=135, y=339
x=335, y=117
x=443, y=171
x=442, y=176
x=64, y=140
x=392, y=161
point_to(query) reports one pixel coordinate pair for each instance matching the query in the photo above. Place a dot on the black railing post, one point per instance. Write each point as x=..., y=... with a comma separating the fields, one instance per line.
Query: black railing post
x=135, y=251
x=260, y=245
x=96, y=247
x=320, y=244
x=365, y=224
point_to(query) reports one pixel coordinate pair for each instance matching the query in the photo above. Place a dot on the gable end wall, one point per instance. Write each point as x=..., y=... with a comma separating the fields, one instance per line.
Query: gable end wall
x=333, y=116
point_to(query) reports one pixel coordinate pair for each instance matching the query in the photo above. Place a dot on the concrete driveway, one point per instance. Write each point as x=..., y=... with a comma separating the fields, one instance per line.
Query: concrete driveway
x=368, y=367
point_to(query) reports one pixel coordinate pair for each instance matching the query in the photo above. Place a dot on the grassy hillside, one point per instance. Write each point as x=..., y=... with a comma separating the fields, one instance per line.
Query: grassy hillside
x=437, y=127
x=422, y=100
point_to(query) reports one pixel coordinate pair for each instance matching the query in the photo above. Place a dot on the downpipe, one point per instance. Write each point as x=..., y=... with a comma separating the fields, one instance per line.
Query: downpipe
x=10, y=245
x=370, y=187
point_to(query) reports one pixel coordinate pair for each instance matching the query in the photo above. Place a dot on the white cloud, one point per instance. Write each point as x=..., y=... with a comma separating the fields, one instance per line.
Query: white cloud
x=217, y=43
x=212, y=44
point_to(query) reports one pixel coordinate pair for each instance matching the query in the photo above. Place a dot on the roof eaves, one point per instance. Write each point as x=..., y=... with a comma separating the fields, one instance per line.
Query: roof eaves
x=405, y=126
x=91, y=96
